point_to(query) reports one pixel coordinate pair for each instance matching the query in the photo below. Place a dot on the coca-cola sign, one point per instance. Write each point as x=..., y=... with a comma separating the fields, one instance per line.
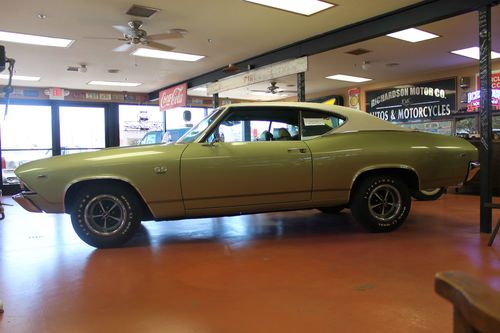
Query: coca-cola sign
x=173, y=97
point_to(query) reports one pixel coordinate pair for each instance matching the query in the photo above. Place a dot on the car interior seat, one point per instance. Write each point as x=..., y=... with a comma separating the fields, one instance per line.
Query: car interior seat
x=265, y=136
x=283, y=134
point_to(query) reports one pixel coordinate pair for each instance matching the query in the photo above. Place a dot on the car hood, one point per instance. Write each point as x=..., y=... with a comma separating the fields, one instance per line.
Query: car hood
x=101, y=162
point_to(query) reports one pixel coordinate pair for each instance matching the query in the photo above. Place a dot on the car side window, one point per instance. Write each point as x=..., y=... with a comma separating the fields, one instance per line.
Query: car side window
x=316, y=123
x=246, y=124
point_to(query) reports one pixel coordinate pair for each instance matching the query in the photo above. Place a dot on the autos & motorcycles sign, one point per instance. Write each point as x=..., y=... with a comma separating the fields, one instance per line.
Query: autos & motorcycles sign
x=417, y=101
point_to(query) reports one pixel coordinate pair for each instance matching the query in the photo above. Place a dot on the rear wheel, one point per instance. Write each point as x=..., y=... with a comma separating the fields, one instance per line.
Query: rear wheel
x=429, y=194
x=106, y=217
x=381, y=203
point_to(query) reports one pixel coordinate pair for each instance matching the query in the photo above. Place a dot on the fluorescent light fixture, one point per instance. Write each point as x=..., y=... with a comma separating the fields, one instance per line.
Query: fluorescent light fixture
x=143, y=52
x=20, y=77
x=114, y=83
x=348, y=78
x=413, y=35
x=34, y=40
x=199, y=89
x=304, y=7
x=473, y=52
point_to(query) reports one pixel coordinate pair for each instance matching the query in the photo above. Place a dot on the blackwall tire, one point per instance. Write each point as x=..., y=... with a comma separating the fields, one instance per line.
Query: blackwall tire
x=106, y=217
x=381, y=203
x=430, y=194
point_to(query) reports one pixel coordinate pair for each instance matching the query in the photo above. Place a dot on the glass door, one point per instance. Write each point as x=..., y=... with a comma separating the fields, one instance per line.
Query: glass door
x=26, y=135
x=82, y=129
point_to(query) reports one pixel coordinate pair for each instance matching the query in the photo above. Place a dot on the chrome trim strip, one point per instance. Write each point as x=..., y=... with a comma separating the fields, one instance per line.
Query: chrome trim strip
x=474, y=167
x=26, y=203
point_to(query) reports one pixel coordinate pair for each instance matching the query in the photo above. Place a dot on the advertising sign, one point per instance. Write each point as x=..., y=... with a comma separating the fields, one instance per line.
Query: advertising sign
x=354, y=98
x=474, y=100
x=416, y=101
x=265, y=73
x=173, y=97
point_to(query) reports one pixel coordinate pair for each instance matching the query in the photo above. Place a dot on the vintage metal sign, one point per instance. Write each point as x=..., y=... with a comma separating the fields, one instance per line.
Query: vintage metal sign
x=262, y=74
x=173, y=97
x=416, y=101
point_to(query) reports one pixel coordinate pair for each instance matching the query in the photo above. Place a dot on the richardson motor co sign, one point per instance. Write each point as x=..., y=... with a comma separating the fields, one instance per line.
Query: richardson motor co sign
x=173, y=97
x=418, y=101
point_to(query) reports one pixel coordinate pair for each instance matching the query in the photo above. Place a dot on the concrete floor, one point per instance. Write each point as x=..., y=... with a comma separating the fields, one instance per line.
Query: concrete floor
x=299, y=271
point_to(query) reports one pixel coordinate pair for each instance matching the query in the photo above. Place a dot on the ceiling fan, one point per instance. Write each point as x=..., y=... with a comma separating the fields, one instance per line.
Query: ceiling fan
x=274, y=89
x=133, y=35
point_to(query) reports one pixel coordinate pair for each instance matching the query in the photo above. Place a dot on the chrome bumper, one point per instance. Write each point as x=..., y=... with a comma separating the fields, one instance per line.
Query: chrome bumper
x=23, y=201
x=473, y=170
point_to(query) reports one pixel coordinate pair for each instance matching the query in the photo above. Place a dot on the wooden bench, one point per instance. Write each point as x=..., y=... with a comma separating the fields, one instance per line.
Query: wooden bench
x=476, y=307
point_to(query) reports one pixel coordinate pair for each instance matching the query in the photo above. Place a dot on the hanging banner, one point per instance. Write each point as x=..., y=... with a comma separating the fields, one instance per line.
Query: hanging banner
x=416, y=101
x=354, y=98
x=173, y=97
x=262, y=74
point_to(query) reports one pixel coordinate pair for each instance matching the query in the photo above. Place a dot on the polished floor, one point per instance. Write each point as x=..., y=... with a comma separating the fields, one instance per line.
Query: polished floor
x=299, y=271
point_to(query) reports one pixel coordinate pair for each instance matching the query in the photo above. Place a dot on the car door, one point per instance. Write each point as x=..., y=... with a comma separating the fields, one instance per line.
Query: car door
x=232, y=167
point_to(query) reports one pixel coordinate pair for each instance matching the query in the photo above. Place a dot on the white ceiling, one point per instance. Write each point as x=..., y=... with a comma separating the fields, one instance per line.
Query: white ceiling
x=238, y=30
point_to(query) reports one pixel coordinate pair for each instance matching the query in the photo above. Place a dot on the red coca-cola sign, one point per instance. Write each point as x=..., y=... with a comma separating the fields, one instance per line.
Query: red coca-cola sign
x=173, y=97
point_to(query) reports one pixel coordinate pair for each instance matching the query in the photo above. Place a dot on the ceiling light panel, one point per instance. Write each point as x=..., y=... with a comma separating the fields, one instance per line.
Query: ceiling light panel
x=149, y=53
x=34, y=40
x=20, y=77
x=413, y=35
x=473, y=52
x=348, y=78
x=304, y=7
x=114, y=83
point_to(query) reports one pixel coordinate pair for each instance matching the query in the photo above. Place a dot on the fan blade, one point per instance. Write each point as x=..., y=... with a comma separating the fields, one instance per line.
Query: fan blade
x=158, y=46
x=122, y=29
x=171, y=34
x=123, y=48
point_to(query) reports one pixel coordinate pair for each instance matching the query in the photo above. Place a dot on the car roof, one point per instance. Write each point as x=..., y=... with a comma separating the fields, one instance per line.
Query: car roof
x=356, y=120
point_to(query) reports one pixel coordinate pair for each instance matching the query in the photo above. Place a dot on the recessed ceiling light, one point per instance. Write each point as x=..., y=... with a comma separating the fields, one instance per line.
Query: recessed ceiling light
x=115, y=83
x=413, y=35
x=348, y=78
x=143, y=52
x=34, y=40
x=199, y=89
x=473, y=52
x=20, y=77
x=304, y=7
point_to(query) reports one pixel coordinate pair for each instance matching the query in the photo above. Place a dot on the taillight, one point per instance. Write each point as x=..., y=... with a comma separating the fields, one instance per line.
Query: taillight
x=3, y=163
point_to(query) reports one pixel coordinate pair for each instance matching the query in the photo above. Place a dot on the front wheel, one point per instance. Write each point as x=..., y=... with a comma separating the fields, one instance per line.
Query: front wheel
x=381, y=203
x=106, y=217
x=429, y=194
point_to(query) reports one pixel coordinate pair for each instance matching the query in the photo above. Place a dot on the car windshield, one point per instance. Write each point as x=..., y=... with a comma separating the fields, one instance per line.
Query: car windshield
x=195, y=131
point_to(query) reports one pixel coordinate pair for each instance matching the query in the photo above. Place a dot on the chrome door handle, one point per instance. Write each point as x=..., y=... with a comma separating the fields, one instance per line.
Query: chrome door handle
x=300, y=150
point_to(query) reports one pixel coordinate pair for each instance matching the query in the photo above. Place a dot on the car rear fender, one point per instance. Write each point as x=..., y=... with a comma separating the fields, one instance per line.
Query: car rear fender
x=406, y=173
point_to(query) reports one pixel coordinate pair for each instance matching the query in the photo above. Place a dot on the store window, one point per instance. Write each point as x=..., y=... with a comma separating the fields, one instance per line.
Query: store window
x=82, y=129
x=467, y=127
x=26, y=136
x=140, y=124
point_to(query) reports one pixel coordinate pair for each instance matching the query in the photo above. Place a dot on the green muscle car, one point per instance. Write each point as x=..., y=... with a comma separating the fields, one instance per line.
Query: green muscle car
x=250, y=158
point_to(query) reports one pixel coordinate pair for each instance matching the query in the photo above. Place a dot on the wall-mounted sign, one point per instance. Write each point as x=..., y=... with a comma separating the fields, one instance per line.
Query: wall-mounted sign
x=417, y=101
x=354, y=98
x=173, y=97
x=474, y=99
x=56, y=93
x=262, y=74
x=495, y=80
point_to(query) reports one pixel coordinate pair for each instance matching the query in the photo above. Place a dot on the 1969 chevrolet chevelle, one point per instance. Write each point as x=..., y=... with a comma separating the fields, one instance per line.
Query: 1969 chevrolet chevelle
x=250, y=158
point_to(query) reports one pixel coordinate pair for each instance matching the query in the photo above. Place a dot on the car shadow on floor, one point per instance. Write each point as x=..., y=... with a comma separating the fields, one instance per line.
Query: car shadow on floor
x=279, y=225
